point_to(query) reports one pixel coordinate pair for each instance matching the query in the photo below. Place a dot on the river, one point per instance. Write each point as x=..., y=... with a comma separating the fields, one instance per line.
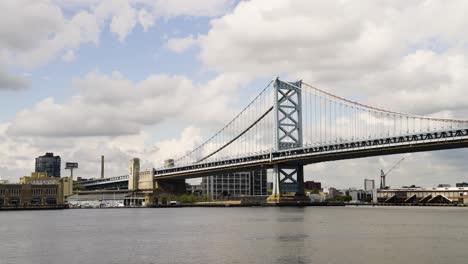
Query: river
x=236, y=235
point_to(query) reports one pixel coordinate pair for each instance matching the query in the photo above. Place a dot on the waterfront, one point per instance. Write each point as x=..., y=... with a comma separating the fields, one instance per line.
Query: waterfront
x=236, y=235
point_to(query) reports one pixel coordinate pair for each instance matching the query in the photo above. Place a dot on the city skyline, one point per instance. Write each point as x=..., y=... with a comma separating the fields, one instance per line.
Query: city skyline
x=142, y=80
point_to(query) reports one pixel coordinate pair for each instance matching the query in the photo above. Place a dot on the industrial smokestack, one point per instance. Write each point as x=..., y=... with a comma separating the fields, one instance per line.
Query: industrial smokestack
x=382, y=180
x=102, y=166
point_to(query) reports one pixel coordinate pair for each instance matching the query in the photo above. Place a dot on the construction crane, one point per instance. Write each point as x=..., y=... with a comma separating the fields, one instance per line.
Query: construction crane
x=383, y=175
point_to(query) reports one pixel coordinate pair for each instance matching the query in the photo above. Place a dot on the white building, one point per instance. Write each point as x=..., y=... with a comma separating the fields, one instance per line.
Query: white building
x=369, y=185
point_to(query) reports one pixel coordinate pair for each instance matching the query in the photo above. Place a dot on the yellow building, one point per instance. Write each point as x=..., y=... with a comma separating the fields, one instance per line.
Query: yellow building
x=30, y=195
x=34, y=177
x=65, y=183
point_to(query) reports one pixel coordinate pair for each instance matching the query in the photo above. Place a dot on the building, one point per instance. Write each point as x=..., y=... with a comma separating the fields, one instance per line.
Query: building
x=420, y=195
x=369, y=185
x=106, y=198
x=317, y=197
x=65, y=183
x=49, y=164
x=358, y=196
x=235, y=184
x=194, y=188
x=313, y=186
x=30, y=195
x=331, y=193
x=444, y=185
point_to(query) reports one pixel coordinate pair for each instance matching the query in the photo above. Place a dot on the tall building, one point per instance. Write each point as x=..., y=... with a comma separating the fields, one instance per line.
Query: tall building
x=236, y=184
x=369, y=185
x=50, y=164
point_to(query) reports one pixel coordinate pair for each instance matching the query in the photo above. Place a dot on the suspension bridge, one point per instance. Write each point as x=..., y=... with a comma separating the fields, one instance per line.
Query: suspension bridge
x=292, y=124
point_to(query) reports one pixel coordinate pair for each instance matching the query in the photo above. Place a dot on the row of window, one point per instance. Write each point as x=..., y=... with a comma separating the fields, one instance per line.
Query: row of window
x=34, y=201
x=34, y=191
x=41, y=191
x=10, y=192
x=423, y=194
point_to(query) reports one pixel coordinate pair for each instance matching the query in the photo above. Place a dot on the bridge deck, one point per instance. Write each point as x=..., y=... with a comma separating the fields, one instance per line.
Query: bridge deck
x=315, y=154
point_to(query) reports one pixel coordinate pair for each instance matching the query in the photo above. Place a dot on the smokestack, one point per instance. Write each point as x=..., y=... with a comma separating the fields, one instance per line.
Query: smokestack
x=102, y=166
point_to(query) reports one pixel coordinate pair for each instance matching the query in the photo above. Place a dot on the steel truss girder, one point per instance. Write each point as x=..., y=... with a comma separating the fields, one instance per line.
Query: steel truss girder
x=288, y=114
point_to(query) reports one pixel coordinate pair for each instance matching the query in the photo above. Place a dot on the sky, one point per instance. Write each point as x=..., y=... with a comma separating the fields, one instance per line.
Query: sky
x=153, y=78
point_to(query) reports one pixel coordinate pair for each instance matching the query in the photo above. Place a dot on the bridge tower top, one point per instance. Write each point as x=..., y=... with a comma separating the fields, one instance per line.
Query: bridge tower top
x=288, y=114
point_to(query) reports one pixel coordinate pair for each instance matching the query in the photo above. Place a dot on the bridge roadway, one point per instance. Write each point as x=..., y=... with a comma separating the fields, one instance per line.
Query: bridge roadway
x=118, y=182
x=441, y=140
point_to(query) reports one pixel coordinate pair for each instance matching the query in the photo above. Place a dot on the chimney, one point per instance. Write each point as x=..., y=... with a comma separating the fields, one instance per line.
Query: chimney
x=102, y=166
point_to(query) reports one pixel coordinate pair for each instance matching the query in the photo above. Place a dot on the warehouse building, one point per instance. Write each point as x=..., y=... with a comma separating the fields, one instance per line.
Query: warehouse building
x=445, y=195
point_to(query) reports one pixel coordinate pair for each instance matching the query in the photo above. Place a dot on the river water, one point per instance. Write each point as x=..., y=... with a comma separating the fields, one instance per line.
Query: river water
x=236, y=235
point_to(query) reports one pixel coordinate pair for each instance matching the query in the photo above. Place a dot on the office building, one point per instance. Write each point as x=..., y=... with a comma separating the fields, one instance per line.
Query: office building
x=312, y=186
x=49, y=164
x=235, y=184
x=369, y=185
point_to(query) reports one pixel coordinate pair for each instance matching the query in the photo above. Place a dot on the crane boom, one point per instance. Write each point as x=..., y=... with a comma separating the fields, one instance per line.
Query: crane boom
x=394, y=166
x=383, y=175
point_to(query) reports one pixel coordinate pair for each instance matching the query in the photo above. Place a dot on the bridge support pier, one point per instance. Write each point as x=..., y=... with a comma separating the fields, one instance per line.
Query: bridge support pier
x=288, y=185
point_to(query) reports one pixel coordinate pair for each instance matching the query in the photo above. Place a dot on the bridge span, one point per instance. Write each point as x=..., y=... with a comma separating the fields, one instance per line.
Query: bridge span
x=310, y=155
x=292, y=124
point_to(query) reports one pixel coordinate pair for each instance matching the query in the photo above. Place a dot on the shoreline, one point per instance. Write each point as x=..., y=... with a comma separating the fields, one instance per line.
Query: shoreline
x=234, y=204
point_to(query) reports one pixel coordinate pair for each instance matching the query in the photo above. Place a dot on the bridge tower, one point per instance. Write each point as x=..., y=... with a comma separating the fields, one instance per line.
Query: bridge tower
x=288, y=179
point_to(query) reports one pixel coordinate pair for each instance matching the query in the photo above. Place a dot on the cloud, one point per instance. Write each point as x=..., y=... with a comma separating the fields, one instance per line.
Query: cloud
x=69, y=56
x=179, y=45
x=34, y=32
x=19, y=153
x=369, y=52
x=111, y=105
x=12, y=82
x=190, y=138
